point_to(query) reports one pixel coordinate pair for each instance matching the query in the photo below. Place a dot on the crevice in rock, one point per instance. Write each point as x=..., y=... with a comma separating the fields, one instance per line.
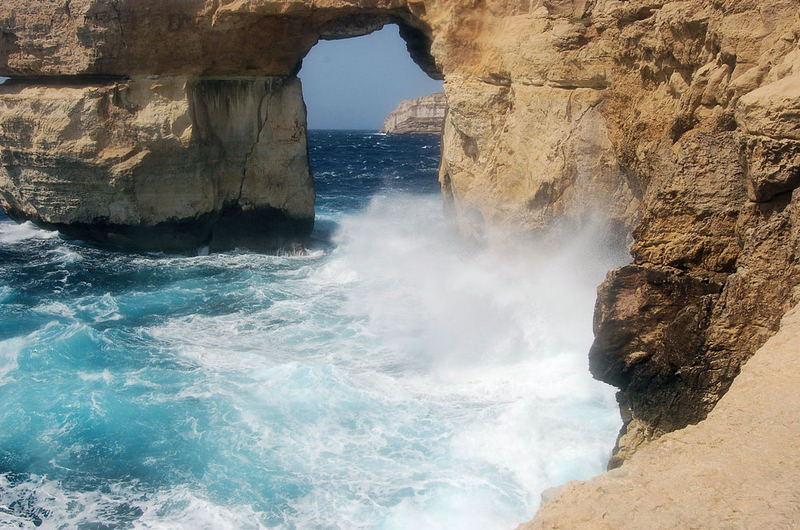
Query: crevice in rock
x=418, y=45
x=262, y=123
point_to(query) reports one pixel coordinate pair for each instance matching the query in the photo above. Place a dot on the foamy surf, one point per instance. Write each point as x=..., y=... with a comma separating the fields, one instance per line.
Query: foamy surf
x=390, y=379
x=14, y=233
x=40, y=503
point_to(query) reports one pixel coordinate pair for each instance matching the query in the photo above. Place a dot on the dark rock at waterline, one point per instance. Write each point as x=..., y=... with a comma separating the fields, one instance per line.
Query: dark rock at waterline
x=263, y=229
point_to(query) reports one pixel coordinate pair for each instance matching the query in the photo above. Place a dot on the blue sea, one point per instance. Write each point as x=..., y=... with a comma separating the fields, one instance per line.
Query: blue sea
x=389, y=376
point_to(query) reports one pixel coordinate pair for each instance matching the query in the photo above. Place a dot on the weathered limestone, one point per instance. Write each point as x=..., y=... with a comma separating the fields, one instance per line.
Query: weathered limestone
x=159, y=163
x=174, y=124
x=736, y=469
x=674, y=119
x=528, y=156
x=201, y=38
x=715, y=268
x=769, y=115
x=423, y=115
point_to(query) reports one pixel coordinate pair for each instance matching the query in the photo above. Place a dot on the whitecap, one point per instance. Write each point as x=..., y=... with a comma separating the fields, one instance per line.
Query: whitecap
x=65, y=255
x=98, y=308
x=14, y=233
x=6, y=292
x=59, y=309
x=9, y=353
x=44, y=503
x=104, y=376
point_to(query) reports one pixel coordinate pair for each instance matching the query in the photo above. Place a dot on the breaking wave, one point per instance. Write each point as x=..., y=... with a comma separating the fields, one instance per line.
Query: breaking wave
x=390, y=378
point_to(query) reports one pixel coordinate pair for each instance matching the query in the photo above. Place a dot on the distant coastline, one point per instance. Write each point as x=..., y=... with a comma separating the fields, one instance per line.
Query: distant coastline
x=423, y=115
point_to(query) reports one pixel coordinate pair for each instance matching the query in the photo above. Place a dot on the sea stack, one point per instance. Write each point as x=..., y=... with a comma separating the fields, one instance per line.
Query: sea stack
x=423, y=115
x=159, y=164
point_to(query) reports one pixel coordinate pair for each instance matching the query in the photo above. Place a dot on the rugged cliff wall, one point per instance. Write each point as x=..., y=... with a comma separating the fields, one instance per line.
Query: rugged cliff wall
x=423, y=115
x=736, y=469
x=676, y=122
x=169, y=163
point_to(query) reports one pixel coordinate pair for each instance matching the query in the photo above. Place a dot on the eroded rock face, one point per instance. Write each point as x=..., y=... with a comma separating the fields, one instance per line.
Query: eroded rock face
x=423, y=115
x=708, y=133
x=165, y=163
x=675, y=122
x=737, y=469
x=202, y=38
x=168, y=125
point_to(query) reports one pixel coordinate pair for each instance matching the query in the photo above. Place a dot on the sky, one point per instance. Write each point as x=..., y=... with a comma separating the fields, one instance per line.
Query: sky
x=354, y=83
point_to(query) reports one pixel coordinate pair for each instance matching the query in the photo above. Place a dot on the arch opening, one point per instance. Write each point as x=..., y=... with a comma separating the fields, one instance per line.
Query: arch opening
x=359, y=80
x=417, y=42
x=350, y=87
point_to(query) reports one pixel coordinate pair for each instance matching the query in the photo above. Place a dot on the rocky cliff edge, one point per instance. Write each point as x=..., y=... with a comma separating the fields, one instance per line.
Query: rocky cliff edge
x=171, y=163
x=736, y=469
x=423, y=115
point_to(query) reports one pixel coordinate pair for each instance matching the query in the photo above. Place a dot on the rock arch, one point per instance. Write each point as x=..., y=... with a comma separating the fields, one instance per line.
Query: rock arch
x=675, y=121
x=170, y=125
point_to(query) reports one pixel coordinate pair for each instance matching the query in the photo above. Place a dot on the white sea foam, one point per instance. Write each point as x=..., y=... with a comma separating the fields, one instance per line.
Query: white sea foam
x=56, y=309
x=98, y=308
x=399, y=380
x=9, y=352
x=65, y=255
x=14, y=233
x=6, y=292
x=461, y=373
x=104, y=376
x=54, y=507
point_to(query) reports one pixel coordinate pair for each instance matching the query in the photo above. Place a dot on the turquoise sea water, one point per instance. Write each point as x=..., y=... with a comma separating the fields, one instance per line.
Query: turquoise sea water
x=387, y=377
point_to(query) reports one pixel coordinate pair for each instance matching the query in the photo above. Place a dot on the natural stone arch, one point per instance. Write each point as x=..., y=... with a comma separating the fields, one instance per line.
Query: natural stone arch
x=199, y=38
x=198, y=141
x=674, y=120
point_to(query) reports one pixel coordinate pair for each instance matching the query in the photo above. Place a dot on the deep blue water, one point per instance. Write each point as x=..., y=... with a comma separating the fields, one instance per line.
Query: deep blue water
x=385, y=378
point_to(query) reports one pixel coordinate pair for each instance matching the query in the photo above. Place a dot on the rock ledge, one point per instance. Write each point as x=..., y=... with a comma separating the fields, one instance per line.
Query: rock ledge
x=423, y=115
x=736, y=469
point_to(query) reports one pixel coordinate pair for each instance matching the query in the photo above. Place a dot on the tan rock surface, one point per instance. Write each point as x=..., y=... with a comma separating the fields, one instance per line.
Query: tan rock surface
x=114, y=159
x=736, y=469
x=675, y=119
x=423, y=115
x=188, y=37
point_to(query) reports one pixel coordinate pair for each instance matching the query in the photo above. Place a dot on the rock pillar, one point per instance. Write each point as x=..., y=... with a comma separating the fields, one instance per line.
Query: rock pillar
x=160, y=162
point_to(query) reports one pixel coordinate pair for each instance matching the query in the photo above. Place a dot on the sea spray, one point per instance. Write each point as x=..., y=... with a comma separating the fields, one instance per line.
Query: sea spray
x=389, y=378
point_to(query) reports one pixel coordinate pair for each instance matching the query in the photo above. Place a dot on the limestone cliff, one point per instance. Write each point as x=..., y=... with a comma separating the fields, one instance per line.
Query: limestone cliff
x=674, y=121
x=160, y=164
x=737, y=469
x=423, y=115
